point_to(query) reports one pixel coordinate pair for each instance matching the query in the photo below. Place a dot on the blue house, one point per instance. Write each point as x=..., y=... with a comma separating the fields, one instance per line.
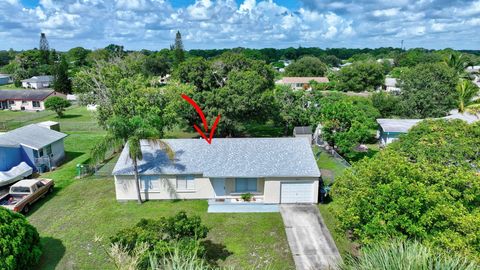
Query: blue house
x=5, y=79
x=41, y=148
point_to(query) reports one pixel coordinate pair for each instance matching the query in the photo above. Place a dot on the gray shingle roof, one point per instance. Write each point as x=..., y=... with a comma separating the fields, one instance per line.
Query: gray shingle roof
x=28, y=95
x=33, y=136
x=232, y=157
x=397, y=125
x=35, y=79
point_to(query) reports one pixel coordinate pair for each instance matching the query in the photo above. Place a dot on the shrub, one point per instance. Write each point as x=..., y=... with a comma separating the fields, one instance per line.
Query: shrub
x=247, y=196
x=57, y=104
x=400, y=255
x=19, y=241
x=164, y=235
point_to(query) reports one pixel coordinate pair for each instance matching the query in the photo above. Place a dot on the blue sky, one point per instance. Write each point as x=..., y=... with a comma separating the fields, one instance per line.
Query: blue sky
x=151, y=24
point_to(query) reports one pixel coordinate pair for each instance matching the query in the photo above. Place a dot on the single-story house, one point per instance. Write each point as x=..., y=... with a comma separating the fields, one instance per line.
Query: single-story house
x=5, y=79
x=38, y=82
x=390, y=129
x=298, y=83
x=303, y=132
x=274, y=170
x=25, y=100
x=391, y=85
x=41, y=148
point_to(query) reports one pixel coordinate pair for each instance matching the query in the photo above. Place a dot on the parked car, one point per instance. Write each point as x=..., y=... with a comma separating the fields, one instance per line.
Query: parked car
x=24, y=193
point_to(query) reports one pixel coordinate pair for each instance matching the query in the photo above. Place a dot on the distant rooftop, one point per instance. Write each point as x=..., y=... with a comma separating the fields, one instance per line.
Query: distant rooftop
x=36, y=79
x=397, y=125
x=403, y=125
x=33, y=136
x=27, y=95
x=302, y=130
x=229, y=157
x=303, y=79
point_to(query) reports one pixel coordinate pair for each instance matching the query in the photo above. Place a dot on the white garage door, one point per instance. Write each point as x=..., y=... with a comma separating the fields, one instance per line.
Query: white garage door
x=301, y=192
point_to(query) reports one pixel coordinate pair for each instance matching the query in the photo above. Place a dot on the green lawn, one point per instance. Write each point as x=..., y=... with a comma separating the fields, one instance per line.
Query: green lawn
x=327, y=162
x=81, y=209
x=344, y=245
x=10, y=86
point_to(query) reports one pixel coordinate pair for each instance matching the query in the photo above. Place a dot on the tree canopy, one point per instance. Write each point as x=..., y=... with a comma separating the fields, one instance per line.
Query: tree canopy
x=346, y=121
x=361, y=76
x=424, y=186
x=307, y=66
x=428, y=90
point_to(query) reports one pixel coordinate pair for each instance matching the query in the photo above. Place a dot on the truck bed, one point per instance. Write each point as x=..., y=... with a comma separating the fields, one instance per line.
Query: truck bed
x=11, y=200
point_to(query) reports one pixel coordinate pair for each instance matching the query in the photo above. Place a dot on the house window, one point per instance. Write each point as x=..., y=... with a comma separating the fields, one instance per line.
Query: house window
x=185, y=182
x=36, y=104
x=245, y=184
x=38, y=153
x=149, y=183
x=24, y=102
x=11, y=102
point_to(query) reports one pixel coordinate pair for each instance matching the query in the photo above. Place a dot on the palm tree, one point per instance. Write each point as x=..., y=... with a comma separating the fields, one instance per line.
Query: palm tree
x=457, y=62
x=130, y=132
x=467, y=92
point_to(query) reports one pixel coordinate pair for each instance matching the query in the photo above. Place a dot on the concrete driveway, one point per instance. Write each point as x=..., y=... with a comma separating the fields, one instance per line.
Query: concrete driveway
x=310, y=241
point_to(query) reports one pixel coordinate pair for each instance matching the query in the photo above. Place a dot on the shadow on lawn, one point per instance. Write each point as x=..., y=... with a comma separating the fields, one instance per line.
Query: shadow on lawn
x=216, y=251
x=69, y=116
x=52, y=252
x=70, y=155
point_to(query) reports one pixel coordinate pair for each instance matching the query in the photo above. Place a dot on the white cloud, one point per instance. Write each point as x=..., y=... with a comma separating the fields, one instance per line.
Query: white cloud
x=252, y=23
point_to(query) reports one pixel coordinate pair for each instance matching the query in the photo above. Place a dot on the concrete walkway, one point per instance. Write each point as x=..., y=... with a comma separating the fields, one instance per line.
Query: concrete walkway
x=310, y=241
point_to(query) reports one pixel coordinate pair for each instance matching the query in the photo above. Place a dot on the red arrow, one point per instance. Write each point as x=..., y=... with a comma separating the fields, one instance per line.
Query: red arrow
x=204, y=120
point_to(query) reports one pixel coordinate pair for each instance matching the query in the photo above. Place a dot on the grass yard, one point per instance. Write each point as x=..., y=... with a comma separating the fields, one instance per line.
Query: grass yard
x=344, y=245
x=10, y=86
x=71, y=218
x=79, y=210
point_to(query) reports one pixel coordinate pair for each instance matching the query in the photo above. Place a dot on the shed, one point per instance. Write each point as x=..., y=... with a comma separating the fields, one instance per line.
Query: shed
x=303, y=132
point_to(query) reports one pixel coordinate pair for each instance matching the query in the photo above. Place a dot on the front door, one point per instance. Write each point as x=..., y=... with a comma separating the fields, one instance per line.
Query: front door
x=219, y=186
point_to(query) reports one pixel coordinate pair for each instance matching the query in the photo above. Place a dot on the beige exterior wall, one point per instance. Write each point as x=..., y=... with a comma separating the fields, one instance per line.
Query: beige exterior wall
x=273, y=186
x=126, y=190
x=28, y=105
x=268, y=187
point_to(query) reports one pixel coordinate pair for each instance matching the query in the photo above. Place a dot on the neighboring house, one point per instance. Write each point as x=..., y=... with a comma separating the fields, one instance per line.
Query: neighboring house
x=274, y=170
x=38, y=82
x=41, y=148
x=5, y=79
x=391, y=129
x=25, y=100
x=303, y=132
x=391, y=85
x=298, y=83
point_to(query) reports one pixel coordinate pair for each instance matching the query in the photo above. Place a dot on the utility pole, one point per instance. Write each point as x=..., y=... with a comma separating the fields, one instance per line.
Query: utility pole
x=401, y=46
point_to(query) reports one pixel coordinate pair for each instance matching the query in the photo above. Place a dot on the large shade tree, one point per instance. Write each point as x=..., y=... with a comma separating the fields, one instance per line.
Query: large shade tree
x=307, y=66
x=361, y=76
x=424, y=186
x=428, y=90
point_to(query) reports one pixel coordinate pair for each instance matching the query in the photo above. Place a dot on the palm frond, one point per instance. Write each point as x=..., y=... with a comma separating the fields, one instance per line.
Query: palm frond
x=106, y=144
x=134, y=148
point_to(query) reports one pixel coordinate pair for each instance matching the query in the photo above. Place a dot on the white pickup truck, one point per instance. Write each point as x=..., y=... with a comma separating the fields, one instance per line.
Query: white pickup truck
x=24, y=193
